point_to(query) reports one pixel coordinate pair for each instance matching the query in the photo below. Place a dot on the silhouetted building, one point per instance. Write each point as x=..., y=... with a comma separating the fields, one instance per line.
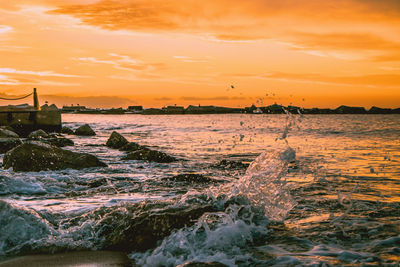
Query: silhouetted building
x=135, y=108
x=174, y=110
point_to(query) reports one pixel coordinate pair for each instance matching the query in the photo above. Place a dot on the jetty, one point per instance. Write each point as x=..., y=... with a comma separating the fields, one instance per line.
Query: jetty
x=25, y=118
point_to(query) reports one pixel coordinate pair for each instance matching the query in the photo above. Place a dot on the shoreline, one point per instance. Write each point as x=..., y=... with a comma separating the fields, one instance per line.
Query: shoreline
x=77, y=258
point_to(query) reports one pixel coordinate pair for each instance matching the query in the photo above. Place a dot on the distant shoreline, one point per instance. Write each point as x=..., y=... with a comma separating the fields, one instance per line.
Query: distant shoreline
x=196, y=110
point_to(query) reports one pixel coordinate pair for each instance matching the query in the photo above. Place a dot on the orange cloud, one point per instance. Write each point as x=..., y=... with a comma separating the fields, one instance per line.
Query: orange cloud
x=340, y=25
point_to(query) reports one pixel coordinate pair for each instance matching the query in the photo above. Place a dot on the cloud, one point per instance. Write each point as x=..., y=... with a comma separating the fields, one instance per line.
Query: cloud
x=191, y=59
x=340, y=25
x=38, y=73
x=5, y=29
x=372, y=80
x=89, y=101
x=163, y=98
x=5, y=80
x=122, y=62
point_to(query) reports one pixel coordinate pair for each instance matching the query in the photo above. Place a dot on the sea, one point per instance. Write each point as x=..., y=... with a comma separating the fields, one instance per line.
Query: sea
x=276, y=190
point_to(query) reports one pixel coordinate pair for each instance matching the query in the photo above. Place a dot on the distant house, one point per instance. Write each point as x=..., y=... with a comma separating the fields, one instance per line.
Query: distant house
x=135, y=108
x=174, y=110
x=153, y=111
x=72, y=108
x=211, y=110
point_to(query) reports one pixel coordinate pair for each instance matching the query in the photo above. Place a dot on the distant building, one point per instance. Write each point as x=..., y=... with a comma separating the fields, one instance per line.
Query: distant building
x=211, y=110
x=153, y=111
x=174, y=110
x=135, y=108
x=73, y=108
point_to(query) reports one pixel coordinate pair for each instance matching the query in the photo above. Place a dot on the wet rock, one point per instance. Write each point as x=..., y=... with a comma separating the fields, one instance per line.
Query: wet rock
x=149, y=155
x=52, y=139
x=230, y=164
x=59, y=141
x=131, y=146
x=66, y=130
x=5, y=132
x=116, y=140
x=140, y=227
x=39, y=134
x=8, y=128
x=37, y=156
x=97, y=182
x=202, y=264
x=85, y=130
x=93, y=183
x=192, y=178
x=7, y=144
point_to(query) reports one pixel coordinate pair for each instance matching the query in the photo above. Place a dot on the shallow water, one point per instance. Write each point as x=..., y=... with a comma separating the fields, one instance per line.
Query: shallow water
x=320, y=189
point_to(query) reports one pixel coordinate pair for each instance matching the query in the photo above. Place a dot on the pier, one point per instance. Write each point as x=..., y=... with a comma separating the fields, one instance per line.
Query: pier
x=25, y=118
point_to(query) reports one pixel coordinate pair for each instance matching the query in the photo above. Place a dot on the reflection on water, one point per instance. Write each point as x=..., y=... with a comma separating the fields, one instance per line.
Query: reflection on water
x=344, y=179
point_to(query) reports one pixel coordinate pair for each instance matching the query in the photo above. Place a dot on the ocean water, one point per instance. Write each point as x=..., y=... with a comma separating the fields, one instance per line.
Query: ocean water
x=320, y=190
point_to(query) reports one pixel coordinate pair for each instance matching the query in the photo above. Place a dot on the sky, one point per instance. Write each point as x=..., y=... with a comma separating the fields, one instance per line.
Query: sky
x=105, y=53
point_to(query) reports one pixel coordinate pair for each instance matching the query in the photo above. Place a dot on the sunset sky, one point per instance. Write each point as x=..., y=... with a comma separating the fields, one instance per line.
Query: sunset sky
x=310, y=53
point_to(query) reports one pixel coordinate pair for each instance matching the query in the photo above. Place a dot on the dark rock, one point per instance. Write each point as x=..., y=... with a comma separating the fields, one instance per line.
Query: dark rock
x=116, y=140
x=66, y=130
x=191, y=178
x=131, y=146
x=5, y=132
x=85, y=130
x=149, y=155
x=232, y=164
x=38, y=134
x=7, y=144
x=97, y=182
x=8, y=128
x=202, y=264
x=141, y=226
x=51, y=139
x=59, y=141
x=37, y=156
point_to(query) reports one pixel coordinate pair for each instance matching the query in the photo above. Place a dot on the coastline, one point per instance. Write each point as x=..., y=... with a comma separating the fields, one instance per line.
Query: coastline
x=79, y=258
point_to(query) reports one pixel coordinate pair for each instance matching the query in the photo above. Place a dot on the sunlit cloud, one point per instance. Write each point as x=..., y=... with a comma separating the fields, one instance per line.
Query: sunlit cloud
x=372, y=80
x=5, y=29
x=121, y=62
x=37, y=73
x=239, y=21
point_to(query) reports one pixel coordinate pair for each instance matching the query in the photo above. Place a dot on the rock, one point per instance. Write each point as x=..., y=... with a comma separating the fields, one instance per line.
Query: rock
x=131, y=146
x=139, y=227
x=7, y=144
x=66, y=130
x=85, y=130
x=51, y=139
x=5, y=132
x=37, y=156
x=38, y=134
x=149, y=155
x=97, y=182
x=192, y=178
x=8, y=128
x=230, y=164
x=59, y=141
x=202, y=264
x=116, y=140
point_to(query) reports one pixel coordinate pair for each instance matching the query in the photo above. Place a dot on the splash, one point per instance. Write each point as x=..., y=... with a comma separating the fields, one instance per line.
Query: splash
x=264, y=183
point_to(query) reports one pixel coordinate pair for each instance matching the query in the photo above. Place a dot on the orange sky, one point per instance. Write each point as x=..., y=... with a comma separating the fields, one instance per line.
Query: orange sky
x=108, y=53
